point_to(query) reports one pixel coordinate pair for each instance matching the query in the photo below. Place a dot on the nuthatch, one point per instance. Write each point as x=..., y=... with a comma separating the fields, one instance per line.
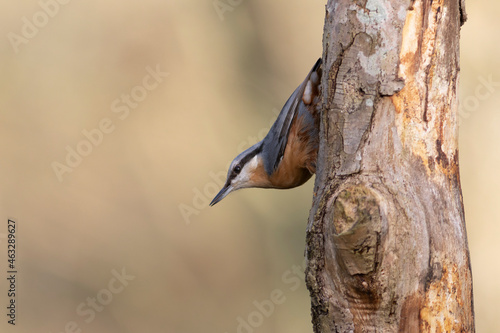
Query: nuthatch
x=286, y=157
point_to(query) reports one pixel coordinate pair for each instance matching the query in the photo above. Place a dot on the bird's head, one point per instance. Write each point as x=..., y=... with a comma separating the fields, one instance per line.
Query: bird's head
x=245, y=171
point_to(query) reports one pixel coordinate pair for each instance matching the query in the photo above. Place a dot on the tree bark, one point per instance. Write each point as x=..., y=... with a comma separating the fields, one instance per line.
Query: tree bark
x=386, y=240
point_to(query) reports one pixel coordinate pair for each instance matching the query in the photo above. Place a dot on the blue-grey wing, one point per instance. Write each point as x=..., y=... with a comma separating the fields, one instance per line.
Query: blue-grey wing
x=274, y=143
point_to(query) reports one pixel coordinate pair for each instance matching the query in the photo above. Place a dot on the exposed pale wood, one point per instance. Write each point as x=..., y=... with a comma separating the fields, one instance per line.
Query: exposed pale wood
x=386, y=240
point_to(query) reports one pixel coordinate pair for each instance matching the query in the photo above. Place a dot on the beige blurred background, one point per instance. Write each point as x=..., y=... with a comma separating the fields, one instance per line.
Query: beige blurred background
x=137, y=203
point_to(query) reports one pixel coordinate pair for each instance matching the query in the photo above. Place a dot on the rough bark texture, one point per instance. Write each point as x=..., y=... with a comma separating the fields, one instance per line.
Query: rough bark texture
x=386, y=240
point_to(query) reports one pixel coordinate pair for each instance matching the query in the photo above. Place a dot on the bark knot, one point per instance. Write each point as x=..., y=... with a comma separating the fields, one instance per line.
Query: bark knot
x=356, y=229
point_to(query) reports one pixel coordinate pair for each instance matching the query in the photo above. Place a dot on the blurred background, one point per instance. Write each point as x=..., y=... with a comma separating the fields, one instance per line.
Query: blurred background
x=118, y=121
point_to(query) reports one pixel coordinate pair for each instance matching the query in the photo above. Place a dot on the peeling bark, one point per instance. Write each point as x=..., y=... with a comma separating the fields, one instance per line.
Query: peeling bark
x=386, y=241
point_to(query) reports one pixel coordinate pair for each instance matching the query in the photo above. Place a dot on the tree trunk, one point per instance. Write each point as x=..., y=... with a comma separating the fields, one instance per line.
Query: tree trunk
x=386, y=240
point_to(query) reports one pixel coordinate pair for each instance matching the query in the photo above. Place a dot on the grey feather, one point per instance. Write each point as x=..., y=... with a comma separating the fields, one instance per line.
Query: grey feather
x=274, y=143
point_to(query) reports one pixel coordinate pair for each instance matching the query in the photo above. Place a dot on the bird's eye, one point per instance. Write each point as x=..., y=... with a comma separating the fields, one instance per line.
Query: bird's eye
x=237, y=169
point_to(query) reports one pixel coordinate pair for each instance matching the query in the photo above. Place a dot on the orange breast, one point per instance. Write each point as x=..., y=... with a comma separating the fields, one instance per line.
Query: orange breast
x=299, y=160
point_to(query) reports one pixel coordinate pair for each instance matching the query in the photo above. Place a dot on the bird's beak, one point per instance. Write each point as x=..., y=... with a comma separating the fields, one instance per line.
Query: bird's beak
x=222, y=194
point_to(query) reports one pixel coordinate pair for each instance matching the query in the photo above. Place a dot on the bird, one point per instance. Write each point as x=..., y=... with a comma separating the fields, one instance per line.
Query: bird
x=286, y=157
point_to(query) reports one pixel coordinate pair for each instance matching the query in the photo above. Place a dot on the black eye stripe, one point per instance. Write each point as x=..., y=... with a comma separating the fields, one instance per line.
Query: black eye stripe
x=250, y=155
x=243, y=159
